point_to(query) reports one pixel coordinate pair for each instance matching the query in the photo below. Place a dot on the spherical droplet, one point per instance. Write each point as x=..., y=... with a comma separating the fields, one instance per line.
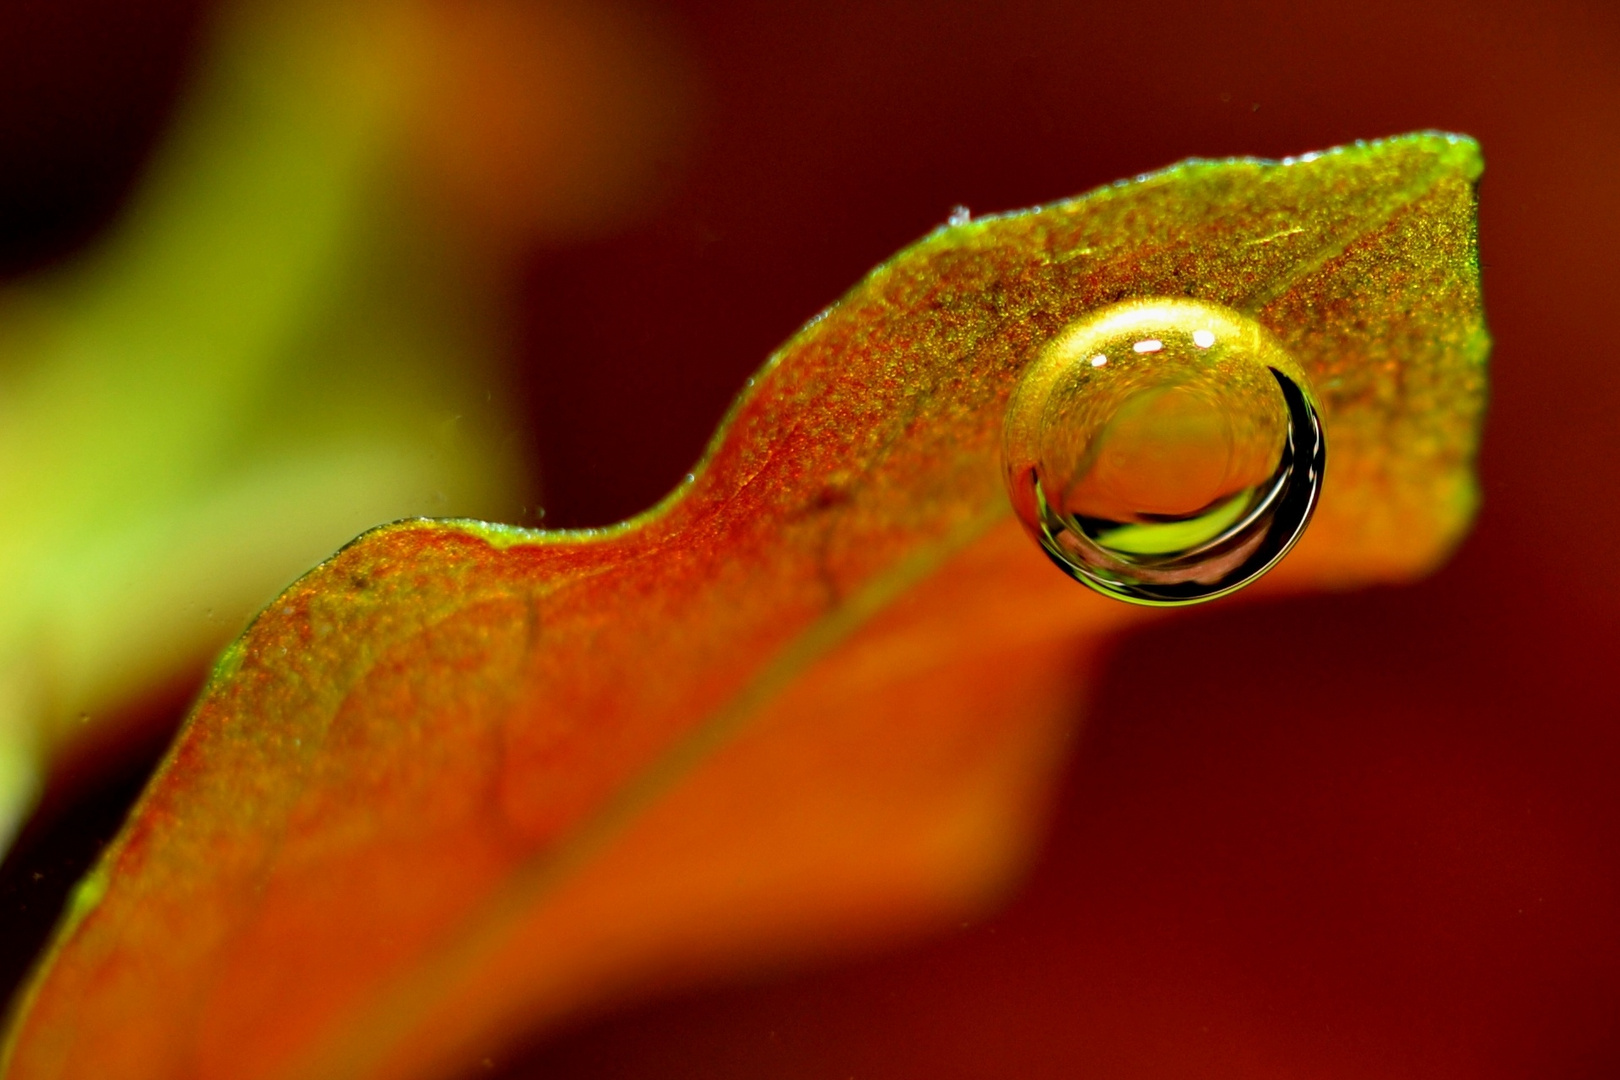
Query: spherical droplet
x=1164, y=451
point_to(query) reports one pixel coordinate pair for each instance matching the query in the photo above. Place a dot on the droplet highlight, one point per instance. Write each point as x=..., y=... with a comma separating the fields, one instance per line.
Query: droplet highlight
x=1164, y=451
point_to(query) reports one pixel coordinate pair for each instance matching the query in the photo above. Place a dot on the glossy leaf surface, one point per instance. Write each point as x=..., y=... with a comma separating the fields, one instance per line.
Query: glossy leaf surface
x=463, y=780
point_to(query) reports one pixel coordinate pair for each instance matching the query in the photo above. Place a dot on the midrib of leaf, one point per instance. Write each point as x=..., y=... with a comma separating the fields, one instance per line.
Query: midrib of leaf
x=411, y=997
x=1400, y=198
x=368, y=1040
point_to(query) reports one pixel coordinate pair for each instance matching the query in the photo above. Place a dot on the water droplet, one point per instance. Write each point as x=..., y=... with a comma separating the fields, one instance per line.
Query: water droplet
x=1181, y=470
x=960, y=215
x=691, y=478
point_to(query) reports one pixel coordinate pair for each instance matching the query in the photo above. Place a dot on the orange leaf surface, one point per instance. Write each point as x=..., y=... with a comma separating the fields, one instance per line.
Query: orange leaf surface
x=464, y=780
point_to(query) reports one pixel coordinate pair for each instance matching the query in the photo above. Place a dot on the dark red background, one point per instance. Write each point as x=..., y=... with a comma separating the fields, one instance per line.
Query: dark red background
x=1364, y=835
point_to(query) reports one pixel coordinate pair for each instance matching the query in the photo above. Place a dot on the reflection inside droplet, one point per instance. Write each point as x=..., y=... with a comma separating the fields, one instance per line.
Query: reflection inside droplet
x=1180, y=471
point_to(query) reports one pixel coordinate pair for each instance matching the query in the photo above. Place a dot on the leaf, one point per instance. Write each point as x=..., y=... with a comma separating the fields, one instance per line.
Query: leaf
x=462, y=781
x=250, y=369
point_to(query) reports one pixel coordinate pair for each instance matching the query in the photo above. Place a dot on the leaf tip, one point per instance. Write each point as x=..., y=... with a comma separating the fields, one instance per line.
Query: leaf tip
x=1459, y=152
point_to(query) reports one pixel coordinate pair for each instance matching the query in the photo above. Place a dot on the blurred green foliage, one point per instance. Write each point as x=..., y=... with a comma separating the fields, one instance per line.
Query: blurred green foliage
x=276, y=347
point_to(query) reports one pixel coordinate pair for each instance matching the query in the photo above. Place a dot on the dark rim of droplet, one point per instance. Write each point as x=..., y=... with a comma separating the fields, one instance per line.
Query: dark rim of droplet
x=1268, y=528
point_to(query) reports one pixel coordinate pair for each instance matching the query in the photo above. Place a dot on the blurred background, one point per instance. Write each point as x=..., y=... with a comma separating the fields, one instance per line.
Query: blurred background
x=1372, y=834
